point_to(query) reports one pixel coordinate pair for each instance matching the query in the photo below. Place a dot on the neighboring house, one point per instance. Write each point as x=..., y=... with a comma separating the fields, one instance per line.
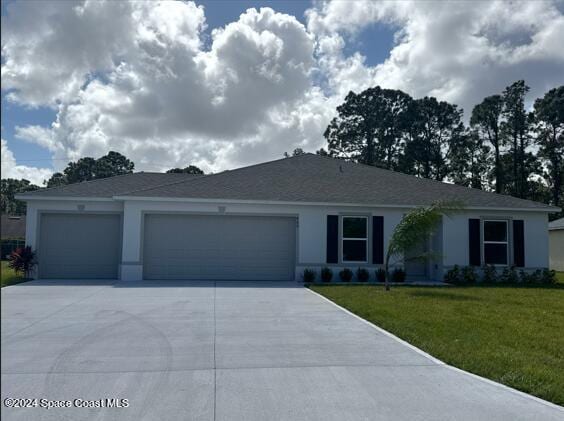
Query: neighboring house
x=556, y=241
x=12, y=231
x=269, y=222
x=13, y=227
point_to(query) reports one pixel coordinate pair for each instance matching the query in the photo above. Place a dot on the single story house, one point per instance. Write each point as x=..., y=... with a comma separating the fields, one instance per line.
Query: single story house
x=556, y=244
x=269, y=221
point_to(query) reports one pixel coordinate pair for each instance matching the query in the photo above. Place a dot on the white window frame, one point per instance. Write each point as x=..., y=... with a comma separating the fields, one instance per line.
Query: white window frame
x=343, y=238
x=506, y=242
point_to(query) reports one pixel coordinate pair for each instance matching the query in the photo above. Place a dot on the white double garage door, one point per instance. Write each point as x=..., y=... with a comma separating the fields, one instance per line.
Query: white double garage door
x=174, y=246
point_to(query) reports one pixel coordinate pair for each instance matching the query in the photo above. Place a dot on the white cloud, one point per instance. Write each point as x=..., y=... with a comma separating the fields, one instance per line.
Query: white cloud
x=137, y=77
x=457, y=51
x=11, y=170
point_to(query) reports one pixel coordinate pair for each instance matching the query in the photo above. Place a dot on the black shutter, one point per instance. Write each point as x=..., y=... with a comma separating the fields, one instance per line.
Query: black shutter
x=377, y=239
x=519, y=243
x=332, y=239
x=474, y=242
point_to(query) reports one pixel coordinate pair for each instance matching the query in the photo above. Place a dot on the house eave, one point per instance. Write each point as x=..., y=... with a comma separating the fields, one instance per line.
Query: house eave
x=548, y=209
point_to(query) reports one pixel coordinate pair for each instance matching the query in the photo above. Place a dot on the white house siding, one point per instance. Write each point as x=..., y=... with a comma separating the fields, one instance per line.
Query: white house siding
x=451, y=242
x=455, y=236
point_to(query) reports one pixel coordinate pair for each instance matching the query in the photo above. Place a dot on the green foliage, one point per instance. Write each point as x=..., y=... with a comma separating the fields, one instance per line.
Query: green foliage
x=362, y=275
x=469, y=275
x=309, y=275
x=453, y=276
x=295, y=152
x=22, y=261
x=326, y=274
x=380, y=275
x=9, y=187
x=371, y=126
x=489, y=274
x=398, y=275
x=509, y=275
x=190, y=169
x=86, y=169
x=346, y=275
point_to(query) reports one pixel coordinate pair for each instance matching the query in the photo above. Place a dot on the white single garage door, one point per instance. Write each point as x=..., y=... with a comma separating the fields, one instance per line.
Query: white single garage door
x=222, y=247
x=79, y=246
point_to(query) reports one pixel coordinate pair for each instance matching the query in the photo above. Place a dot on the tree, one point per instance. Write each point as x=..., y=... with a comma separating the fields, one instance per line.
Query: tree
x=486, y=120
x=469, y=161
x=9, y=188
x=295, y=152
x=86, y=169
x=190, y=169
x=56, y=180
x=435, y=128
x=370, y=126
x=515, y=129
x=113, y=164
x=412, y=231
x=549, y=125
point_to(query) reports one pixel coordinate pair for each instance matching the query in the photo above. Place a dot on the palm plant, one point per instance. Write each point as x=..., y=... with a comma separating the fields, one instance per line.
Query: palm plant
x=413, y=230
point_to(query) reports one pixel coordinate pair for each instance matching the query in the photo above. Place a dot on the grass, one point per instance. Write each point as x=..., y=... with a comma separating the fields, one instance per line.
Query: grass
x=510, y=334
x=8, y=276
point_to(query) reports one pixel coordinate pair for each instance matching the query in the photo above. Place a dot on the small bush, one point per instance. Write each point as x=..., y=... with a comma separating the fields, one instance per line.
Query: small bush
x=22, y=260
x=398, y=275
x=381, y=275
x=469, y=275
x=362, y=275
x=509, y=276
x=326, y=275
x=489, y=274
x=309, y=275
x=453, y=275
x=548, y=277
x=346, y=275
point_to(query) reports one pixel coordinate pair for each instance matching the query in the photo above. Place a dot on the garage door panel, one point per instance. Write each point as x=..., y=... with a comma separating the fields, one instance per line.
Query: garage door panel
x=219, y=247
x=79, y=246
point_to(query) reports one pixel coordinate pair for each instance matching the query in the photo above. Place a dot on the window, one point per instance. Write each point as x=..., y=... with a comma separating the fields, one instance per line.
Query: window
x=355, y=238
x=495, y=243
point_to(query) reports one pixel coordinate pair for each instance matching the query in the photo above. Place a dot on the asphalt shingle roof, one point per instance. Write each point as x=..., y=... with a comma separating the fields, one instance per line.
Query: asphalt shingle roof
x=304, y=178
x=112, y=186
x=557, y=224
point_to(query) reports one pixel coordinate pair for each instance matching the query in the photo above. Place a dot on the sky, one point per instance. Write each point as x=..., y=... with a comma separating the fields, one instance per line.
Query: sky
x=222, y=84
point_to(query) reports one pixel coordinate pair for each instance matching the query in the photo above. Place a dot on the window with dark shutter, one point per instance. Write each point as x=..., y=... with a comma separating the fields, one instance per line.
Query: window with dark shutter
x=474, y=242
x=332, y=239
x=377, y=240
x=519, y=243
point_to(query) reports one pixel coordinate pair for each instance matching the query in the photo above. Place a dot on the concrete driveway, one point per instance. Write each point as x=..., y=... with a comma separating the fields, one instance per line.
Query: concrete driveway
x=225, y=351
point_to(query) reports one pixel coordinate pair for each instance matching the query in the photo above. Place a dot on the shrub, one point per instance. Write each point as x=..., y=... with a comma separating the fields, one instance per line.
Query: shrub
x=489, y=274
x=469, y=275
x=509, y=276
x=22, y=260
x=548, y=276
x=380, y=275
x=531, y=277
x=346, y=275
x=326, y=275
x=362, y=275
x=398, y=275
x=309, y=275
x=453, y=275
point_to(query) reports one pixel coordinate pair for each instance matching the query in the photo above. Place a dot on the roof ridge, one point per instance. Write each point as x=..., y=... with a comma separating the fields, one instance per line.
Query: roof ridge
x=43, y=189
x=426, y=179
x=201, y=177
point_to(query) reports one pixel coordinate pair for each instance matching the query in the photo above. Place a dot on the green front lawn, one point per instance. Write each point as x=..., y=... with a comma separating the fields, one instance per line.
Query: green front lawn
x=8, y=276
x=513, y=335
